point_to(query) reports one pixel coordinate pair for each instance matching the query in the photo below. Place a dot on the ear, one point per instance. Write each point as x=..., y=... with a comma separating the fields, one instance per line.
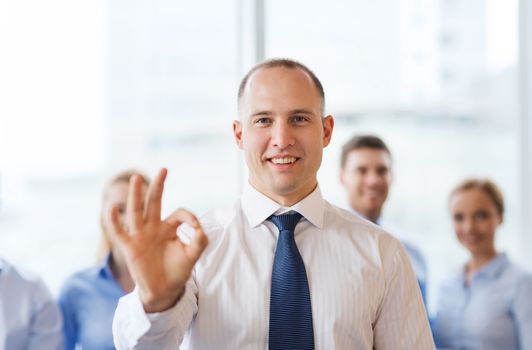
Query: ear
x=237, y=132
x=341, y=176
x=501, y=219
x=328, y=126
x=390, y=168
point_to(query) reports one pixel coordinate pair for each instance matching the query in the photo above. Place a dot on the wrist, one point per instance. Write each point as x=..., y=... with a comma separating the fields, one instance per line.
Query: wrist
x=154, y=304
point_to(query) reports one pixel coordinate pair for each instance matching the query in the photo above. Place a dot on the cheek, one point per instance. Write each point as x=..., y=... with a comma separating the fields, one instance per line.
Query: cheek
x=352, y=183
x=359, y=182
x=488, y=228
x=254, y=147
x=458, y=229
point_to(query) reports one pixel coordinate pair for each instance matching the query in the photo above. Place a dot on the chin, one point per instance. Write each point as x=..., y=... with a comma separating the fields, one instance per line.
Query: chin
x=475, y=248
x=284, y=190
x=372, y=206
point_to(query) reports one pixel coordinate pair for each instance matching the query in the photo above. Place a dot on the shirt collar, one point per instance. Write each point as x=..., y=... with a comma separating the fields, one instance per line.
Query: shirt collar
x=105, y=268
x=257, y=207
x=494, y=267
x=377, y=222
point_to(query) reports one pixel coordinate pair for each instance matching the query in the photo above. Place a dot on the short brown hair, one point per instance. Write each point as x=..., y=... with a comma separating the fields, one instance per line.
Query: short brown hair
x=362, y=141
x=123, y=176
x=485, y=185
x=283, y=63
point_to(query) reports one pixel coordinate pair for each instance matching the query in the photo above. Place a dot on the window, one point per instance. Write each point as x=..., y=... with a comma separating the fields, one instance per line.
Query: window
x=143, y=84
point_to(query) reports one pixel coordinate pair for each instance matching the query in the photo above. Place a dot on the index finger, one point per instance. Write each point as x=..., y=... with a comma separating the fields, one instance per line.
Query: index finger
x=180, y=216
x=199, y=241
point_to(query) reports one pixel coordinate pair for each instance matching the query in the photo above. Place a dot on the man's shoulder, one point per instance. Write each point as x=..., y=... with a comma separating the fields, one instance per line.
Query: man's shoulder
x=345, y=216
x=213, y=222
x=414, y=252
x=355, y=225
x=220, y=217
x=80, y=280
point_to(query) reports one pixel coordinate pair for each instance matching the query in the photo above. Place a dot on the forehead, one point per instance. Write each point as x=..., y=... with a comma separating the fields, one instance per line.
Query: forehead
x=368, y=157
x=280, y=88
x=119, y=190
x=471, y=198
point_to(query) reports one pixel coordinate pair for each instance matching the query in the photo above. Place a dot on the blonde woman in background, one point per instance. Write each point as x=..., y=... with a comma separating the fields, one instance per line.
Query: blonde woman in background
x=88, y=298
x=488, y=304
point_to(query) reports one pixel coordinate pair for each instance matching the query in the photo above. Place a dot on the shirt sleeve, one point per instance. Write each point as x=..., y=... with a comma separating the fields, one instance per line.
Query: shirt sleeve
x=70, y=323
x=522, y=311
x=402, y=320
x=46, y=324
x=133, y=328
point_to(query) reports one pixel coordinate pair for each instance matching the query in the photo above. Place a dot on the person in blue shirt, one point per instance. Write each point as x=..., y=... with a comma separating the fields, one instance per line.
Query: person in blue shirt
x=488, y=304
x=29, y=317
x=88, y=299
x=366, y=175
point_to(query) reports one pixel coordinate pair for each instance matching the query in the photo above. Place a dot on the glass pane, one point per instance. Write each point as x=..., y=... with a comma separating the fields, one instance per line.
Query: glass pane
x=129, y=84
x=436, y=79
x=172, y=95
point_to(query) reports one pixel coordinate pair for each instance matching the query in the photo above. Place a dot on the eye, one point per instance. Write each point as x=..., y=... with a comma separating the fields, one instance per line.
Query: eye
x=482, y=215
x=382, y=171
x=299, y=119
x=262, y=121
x=458, y=217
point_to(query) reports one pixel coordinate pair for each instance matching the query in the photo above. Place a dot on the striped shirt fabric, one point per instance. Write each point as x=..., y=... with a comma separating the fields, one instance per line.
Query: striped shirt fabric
x=364, y=294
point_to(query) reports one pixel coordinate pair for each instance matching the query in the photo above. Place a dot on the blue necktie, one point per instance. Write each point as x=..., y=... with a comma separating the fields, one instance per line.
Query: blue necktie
x=290, y=310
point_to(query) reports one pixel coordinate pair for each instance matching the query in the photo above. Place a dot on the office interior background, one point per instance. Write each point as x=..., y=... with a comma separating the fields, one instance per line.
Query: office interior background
x=88, y=88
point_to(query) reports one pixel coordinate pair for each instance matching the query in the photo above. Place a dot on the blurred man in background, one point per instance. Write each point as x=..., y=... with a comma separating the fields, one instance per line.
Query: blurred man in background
x=366, y=174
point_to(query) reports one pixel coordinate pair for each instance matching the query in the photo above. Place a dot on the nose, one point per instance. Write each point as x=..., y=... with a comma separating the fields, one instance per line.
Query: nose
x=373, y=178
x=468, y=226
x=282, y=135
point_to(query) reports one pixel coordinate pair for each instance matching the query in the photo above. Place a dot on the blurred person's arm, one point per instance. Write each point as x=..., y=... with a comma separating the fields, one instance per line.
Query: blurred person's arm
x=522, y=311
x=46, y=325
x=70, y=324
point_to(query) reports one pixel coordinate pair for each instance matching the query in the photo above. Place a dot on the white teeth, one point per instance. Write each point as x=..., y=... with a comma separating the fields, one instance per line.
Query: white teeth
x=285, y=160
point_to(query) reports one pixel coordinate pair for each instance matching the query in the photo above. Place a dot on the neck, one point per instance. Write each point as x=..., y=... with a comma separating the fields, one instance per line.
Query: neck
x=289, y=199
x=371, y=215
x=121, y=272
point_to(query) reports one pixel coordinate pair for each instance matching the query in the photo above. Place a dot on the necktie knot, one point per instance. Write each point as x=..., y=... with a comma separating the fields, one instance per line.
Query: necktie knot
x=286, y=222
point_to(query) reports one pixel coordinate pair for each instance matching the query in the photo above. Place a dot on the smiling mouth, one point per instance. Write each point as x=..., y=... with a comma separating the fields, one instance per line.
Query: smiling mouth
x=471, y=239
x=283, y=160
x=373, y=194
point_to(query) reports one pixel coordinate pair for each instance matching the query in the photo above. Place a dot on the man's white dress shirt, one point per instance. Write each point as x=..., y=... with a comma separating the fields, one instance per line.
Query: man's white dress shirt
x=29, y=317
x=364, y=294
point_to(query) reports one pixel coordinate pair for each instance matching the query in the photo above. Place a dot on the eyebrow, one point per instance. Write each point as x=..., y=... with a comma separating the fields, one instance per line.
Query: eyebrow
x=262, y=113
x=301, y=111
x=292, y=112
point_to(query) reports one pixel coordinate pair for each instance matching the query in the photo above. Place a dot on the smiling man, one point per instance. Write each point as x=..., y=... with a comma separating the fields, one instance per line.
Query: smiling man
x=366, y=174
x=281, y=268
